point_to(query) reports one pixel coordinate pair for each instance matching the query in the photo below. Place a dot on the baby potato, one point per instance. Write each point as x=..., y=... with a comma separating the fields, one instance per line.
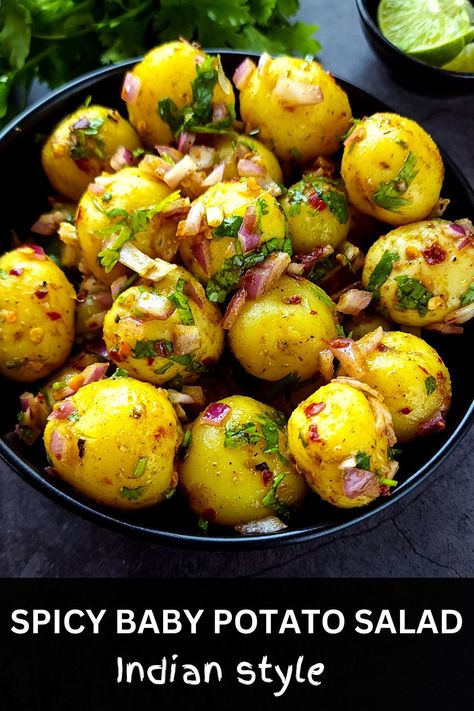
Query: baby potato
x=300, y=111
x=241, y=224
x=166, y=332
x=130, y=201
x=36, y=314
x=115, y=441
x=413, y=381
x=236, y=151
x=81, y=145
x=336, y=442
x=168, y=80
x=236, y=467
x=418, y=274
x=284, y=330
x=392, y=169
x=317, y=211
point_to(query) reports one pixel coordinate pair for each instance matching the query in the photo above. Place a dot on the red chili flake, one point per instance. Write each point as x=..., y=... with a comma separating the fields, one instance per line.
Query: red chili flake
x=405, y=410
x=83, y=164
x=53, y=315
x=314, y=434
x=17, y=271
x=434, y=254
x=382, y=348
x=209, y=362
x=293, y=300
x=423, y=369
x=160, y=348
x=313, y=312
x=385, y=490
x=339, y=342
x=150, y=360
x=209, y=515
x=267, y=476
x=113, y=355
x=41, y=293
x=316, y=202
x=314, y=409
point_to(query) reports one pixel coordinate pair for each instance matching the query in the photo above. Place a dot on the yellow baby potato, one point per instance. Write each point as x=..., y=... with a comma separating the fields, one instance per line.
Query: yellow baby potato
x=300, y=111
x=420, y=274
x=317, y=211
x=127, y=209
x=115, y=441
x=413, y=381
x=392, y=169
x=165, y=332
x=234, y=148
x=333, y=438
x=284, y=330
x=81, y=145
x=236, y=469
x=36, y=314
x=168, y=80
x=241, y=224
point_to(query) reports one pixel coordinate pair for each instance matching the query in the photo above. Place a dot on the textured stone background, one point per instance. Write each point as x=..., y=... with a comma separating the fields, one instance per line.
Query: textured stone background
x=432, y=535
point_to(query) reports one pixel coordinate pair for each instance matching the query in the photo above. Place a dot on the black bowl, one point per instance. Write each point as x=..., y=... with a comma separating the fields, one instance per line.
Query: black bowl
x=24, y=197
x=410, y=71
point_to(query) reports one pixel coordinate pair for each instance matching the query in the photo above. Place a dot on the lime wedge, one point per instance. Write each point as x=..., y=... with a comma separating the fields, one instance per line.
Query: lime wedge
x=434, y=31
x=464, y=62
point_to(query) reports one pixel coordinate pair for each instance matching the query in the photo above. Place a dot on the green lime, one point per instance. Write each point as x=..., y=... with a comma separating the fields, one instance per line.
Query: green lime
x=434, y=31
x=464, y=62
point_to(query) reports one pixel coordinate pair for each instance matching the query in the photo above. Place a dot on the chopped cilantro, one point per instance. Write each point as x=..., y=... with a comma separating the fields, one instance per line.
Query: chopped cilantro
x=241, y=435
x=262, y=209
x=152, y=349
x=337, y=204
x=187, y=439
x=388, y=482
x=381, y=272
x=296, y=197
x=85, y=141
x=191, y=364
x=468, y=297
x=171, y=491
x=203, y=524
x=132, y=494
x=388, y=194
x=120, y=373
x=74, y=416
x=271, y=499
x=430, y=384
x=321, y=268
x=138, y=152
x=140, y=467
x=363, y=460
x=302, y=440
x=411, y=294
x=340, y=330
x=181, y=301
x=229, y=227
x=3, y=274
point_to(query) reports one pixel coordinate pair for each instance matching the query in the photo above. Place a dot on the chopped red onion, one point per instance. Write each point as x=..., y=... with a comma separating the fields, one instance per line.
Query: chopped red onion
x=292, y=92
x=57, y=445
x=38, y=252
x=117, y=286
x=457, y=229
x=436, y=423
x=262, y=278
x=360, y=482
x=63, y=410
x=219, y=112
x=81, y=124
x=353, y=301
x=175, y=175
x=215, y=176
x=185, y=142
x=177, y=398
x=326, y=364
x=130, y=88
x=248, y=167
x=461, y=315
x=446, y=328
x=370, y=342
x=95, y=189
x=464, y=242
x=349, y=356
x=202, y=255
x=248, y=237
x=175, y=155
x=191, y=291
x=234, y=308
x=215, y=413
x=242, y=73
x=203, y=156
x=185, y=339
x=48, y=224
x=155, y=305
x=94, y=372
x=148, y=268
x=121, y=158
x=269, y=186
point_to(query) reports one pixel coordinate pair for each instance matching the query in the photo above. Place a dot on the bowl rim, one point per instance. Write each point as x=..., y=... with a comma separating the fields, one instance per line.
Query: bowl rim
x=445, y=73
x=105, y=517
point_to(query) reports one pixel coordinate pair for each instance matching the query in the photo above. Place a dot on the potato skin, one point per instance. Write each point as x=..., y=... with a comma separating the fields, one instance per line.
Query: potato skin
x=320, y=443
x=222, y=484
x=427, y=252
x=129, y=333
x=131, y=189
x=70, y=176
x=378, y=149
x=167, y=72
x=282, y=332
x=317, y=212
x=412, y=379
x=296, y=134
x=36, y=315
x=234, y=146
x=234, y=198
x=118, y=423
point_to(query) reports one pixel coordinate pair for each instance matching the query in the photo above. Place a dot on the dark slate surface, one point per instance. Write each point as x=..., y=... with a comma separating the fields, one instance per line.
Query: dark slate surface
x=430, y=535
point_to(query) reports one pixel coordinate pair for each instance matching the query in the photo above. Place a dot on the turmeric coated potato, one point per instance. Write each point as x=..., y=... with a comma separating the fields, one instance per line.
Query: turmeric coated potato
x=36, y=314
x=127, y=208
x=392, y=169
x=81, y=145
x=235, y=468
x=283, y=331
x=413, y=381
x=166, y=93
x=240, y=225
x=165, y=332
x=317, y=211
x=419, y=275
x=115, y=441
x=336, y=442
x=245, y=156
x=298, y=108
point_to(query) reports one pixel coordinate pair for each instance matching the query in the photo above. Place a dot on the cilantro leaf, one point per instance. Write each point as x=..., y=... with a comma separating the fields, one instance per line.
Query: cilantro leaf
x=430, y=384
x=140, y=467
x=271, y=499
x=363, y=460
x=411, y=294
x=181, y=301
x=229, y=227
x=381, y=272
x=132, y=494
x=388, y=194
x=152, y=349
x=241, y=435
x=468, y=297
x=85, y=140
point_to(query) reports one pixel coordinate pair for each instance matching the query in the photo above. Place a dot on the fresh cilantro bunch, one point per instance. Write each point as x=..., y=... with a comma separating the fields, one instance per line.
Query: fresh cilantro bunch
x=55, y=40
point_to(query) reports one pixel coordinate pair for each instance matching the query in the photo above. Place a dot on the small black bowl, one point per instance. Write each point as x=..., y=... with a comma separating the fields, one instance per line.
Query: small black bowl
x=24, y=197
x=408, y=70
